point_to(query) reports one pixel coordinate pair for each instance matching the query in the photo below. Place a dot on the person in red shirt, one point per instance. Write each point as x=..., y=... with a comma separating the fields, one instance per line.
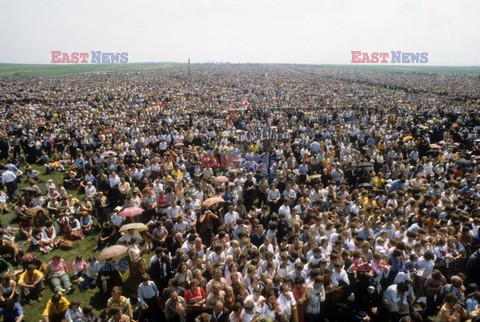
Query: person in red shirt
x=195, y=298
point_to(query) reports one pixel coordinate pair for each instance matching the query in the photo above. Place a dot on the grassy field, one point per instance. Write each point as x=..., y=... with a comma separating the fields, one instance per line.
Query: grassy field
x=83, y=247
x=24, y=70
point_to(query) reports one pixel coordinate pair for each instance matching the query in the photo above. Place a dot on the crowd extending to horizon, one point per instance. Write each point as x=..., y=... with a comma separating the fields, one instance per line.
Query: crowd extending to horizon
x=252, y=193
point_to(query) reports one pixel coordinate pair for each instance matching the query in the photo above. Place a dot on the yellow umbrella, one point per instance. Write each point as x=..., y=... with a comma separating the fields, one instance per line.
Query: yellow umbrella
x=135, y=226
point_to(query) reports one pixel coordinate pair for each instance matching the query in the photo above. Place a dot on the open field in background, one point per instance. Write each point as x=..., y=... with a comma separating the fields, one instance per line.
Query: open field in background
x=28, y=70
x=21, y=70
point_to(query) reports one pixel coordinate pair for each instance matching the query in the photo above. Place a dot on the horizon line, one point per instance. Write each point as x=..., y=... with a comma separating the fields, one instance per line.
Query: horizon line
x=241, y=63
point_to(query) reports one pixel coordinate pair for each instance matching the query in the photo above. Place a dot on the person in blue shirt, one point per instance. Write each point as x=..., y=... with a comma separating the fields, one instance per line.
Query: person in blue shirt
x=12, y=311
x=472, y=302
x=303, y=170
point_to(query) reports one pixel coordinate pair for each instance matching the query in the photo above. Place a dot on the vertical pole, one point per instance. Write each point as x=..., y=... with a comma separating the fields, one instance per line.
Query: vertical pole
x=189, y=68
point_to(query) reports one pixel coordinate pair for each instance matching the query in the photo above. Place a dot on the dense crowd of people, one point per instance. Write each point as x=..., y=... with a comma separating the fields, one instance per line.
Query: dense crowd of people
x=267, y=193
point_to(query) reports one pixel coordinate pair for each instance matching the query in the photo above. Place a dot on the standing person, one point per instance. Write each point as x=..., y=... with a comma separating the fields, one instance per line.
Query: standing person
x=451, y=311
x=109, y=277
x=170, y=311
x=101, y=204
x=114, y=181
x=302, y=297
x=148, y=297
x=9, y=179
x=249, y=192
x=317, y=296
x=160, y=269
x=121, y=301
x=56, y=309
x=137, y=266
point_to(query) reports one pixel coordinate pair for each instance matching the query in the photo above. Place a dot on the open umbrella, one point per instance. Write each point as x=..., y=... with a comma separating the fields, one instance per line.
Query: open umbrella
x=28, y=189
x=112, y=251
x=135, y=226
x=109, y=154
x=211, y=201
x=364, y=185
x=131, y=211
x=35, y=210
x=432, y=152
x=220, y=179
x=314, y=176
x=365, y=165
x=463, y=163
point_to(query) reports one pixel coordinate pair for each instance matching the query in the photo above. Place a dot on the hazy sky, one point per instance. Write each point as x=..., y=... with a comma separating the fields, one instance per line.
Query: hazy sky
x=266, y=31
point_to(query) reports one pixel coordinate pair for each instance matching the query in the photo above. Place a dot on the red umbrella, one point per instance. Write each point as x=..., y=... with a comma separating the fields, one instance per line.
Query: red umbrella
x=220, y=179
x=131, y=211
x=211, y=201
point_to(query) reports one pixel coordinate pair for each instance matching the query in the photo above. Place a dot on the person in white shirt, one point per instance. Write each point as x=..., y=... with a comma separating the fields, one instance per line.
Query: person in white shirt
x=317, y=296
x=395, y=298
x=249, y=313
x=339, y=276
x=116, y=219
x=173, y=211
x=286, y=300
x=90, y=191
x=285, y=209
x=231, y=216
x=425, y=264
x=9, y=179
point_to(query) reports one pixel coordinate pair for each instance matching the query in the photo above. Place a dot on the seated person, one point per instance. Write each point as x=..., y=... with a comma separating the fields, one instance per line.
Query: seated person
x=11, y=311
x=116, y=315
x=75, y=229
x=31, y=284
x=25, y=225
x=3, y=202
x=107, y=236
x=58, y=275
x=56, y=309
x=86, y=222
x=88, y=315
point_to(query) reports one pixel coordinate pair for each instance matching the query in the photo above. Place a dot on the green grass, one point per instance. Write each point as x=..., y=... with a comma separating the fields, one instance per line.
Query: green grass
x=83, y=247
x=26, y=70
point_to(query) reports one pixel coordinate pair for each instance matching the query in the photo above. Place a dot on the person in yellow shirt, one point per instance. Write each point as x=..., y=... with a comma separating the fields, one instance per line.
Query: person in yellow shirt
x=56, y=308
x=31, y=284
x=177, y=173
